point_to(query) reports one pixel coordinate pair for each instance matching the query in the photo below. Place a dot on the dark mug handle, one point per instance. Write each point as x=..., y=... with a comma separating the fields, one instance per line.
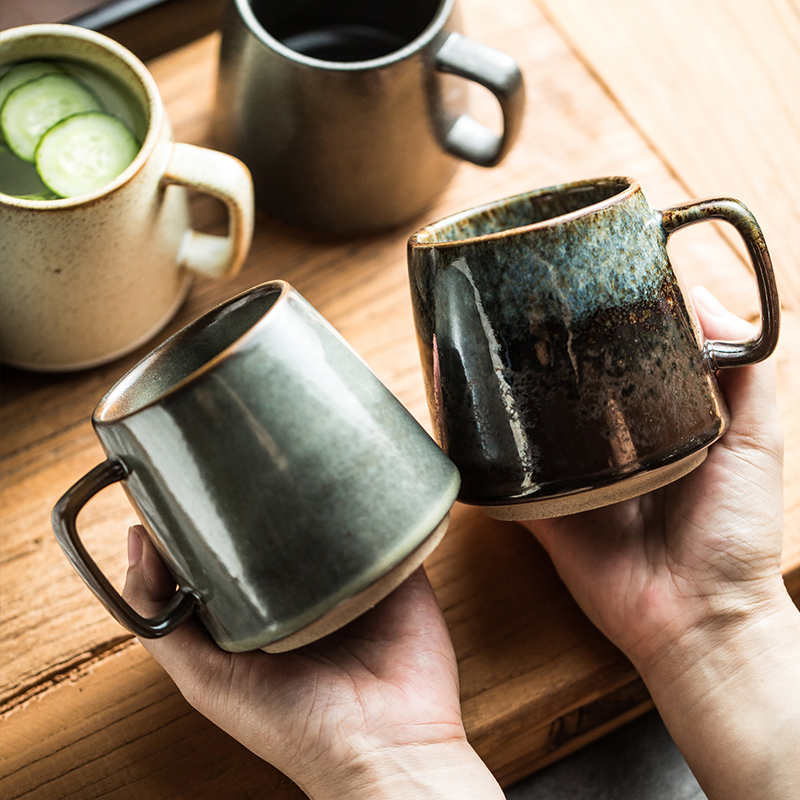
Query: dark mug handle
x=499, y=73
x=735, y=354
x=64, y=518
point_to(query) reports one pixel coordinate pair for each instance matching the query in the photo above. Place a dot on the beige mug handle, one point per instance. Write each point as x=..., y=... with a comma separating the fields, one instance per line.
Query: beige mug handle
x=228, y=179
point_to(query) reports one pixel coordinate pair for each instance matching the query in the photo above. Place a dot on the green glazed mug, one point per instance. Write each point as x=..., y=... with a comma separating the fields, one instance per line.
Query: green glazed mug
x=564, y=367
x=285, y=487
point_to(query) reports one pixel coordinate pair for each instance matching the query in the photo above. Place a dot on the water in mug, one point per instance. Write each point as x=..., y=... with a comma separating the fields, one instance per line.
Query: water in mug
x=19, y=178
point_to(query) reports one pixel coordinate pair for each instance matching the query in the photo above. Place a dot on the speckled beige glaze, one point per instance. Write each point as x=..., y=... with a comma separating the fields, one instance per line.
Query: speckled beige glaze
x=85, y=280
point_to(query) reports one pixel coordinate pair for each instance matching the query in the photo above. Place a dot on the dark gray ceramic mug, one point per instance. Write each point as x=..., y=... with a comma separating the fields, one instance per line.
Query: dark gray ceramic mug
x=347, y=112
x=285, y=487
x=564, y=366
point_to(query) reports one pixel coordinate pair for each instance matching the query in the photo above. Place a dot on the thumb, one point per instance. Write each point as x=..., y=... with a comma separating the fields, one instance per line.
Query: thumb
x=754, y=437
x=148, y=585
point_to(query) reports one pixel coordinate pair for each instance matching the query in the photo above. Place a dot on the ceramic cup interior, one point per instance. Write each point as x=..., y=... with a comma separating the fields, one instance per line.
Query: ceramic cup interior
x=497, y=219
x=131, y=83
x=356, y=31
x=193, y=349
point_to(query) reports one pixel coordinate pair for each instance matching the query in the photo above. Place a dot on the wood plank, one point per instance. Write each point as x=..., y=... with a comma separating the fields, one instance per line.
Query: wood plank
x=714, y=86
x=537, y=678
x=117, y=726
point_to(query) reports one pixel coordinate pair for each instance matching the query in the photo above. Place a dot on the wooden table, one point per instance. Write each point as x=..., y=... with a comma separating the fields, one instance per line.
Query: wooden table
x=691, y=99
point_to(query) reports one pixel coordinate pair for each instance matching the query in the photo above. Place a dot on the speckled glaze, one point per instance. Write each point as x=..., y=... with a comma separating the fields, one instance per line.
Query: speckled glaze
x=87, y=279
x=278, y=476
x=559, y=351
x=358, y=145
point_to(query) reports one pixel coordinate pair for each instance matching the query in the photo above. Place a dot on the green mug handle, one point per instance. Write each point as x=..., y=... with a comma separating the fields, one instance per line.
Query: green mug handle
x=64, y=518
x=736, y=354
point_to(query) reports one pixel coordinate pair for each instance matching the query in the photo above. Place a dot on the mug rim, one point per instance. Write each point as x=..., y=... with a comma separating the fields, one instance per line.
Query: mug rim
x=154, y=107
x=432, y=29
x=104, y=414
x=425, y=237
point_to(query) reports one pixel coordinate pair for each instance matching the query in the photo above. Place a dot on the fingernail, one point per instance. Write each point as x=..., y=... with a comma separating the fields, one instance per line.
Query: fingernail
x=135, y=546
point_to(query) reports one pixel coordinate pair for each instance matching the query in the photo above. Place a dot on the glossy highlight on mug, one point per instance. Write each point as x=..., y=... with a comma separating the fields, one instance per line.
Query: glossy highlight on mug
x=285, y=487
x=563, y=363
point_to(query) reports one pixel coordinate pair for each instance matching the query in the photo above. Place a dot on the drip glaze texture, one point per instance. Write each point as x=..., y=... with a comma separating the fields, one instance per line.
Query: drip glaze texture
x=558, y=348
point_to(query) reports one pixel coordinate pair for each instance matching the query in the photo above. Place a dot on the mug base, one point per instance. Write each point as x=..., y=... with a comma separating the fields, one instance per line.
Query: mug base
x=624, y=489
x=79, y=364
x=354, y=607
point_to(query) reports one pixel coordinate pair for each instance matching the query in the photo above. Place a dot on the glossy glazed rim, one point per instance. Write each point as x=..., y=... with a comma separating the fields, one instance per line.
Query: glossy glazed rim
x=106, y=413
x=431, y=30
x=154, y=110
x=425, y=237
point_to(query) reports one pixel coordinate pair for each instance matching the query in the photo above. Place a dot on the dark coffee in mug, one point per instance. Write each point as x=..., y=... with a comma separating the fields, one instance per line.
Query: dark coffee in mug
x=344, y=32
x=344, y=43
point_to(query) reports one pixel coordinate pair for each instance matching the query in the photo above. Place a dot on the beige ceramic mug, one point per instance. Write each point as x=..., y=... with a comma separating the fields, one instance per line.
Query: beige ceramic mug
x=87, y=279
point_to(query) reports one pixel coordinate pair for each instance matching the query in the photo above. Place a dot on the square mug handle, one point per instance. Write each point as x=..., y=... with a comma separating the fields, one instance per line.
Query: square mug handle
x=499, y=73
x=181, y=606
x=228, y=179
x=735, y=354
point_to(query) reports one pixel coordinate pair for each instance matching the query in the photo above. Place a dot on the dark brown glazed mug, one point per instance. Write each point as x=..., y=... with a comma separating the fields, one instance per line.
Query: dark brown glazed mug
x=564, y=366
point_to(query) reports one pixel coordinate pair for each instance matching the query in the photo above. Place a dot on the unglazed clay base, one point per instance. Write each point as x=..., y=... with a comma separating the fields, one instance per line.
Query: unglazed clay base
x=633, y=486
x=354, y=607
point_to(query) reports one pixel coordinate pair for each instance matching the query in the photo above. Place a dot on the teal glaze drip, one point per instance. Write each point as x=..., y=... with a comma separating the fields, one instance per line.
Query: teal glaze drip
x=550, y=326
x=576, y=269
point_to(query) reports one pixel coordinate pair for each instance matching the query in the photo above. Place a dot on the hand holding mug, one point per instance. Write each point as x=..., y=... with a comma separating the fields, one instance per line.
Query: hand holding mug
x=687, y=582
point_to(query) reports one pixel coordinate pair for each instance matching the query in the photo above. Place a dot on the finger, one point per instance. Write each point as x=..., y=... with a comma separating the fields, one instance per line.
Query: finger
x=411, y=610
x=750, y=390
x=148, y=585
x=412, y=603
x=158, y=584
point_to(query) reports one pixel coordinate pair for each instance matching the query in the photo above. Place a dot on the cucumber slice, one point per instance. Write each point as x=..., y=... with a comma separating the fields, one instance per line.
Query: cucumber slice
x=36, y=105
x=24, y=72
x=82, y=153
x=45, y=195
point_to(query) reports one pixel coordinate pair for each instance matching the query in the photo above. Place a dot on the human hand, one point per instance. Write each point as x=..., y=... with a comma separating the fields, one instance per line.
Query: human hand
x=687, y=582
x=370, y=711
x=700, y=552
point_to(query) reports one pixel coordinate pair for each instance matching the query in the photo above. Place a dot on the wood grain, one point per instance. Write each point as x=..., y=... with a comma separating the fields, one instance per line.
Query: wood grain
x=87, y=714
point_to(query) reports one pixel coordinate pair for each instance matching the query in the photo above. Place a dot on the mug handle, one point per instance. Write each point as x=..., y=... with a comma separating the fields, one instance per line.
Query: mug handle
x=499, y=73
x=64, y=517
x=734, y=354
x=228, y=179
